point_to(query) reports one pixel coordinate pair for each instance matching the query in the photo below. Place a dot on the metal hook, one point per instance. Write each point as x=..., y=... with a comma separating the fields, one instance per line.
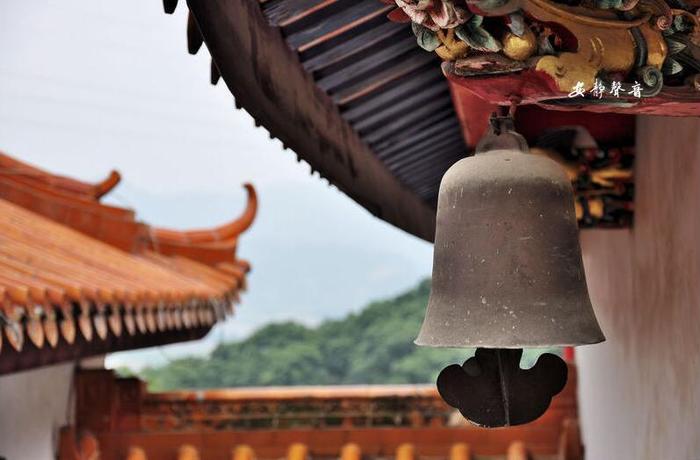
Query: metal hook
x=502, y=134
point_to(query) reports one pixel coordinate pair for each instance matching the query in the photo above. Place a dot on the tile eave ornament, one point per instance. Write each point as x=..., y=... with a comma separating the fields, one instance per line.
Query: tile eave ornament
x=539, y=50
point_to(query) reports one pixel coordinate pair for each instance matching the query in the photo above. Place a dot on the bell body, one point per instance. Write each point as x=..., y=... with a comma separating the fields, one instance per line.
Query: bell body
x=507, y=267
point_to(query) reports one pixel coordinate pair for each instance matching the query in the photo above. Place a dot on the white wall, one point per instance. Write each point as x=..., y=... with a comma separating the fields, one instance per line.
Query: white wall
x=33, y=407
x=640, y=391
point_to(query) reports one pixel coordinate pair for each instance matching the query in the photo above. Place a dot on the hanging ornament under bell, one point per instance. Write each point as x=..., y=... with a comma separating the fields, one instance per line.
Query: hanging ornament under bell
x=507, y=275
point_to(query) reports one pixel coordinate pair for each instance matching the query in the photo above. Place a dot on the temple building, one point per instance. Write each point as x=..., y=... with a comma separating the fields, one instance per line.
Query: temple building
x=80, y=279
x=121, y=420
x=381, y=98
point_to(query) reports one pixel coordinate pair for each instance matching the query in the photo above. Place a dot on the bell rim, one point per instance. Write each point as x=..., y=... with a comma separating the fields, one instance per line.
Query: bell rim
x=512, y=346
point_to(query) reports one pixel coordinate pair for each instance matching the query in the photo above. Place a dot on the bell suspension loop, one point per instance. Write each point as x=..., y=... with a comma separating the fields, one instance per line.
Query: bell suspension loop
x=502, y=135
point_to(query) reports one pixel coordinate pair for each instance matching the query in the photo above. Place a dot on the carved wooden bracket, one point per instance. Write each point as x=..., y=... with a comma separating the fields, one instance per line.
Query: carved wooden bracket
x=628, y=56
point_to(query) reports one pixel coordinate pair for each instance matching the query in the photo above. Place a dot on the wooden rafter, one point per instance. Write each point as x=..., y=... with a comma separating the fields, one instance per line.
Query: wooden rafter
x=266, y=78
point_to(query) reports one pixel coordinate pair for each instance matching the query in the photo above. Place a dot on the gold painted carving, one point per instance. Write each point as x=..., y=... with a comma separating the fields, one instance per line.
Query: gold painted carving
x=452, y=48
x=519, y=48
x=604, y=44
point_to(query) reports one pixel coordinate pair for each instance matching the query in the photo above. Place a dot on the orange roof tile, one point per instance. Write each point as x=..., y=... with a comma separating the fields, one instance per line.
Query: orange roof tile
x=48, y=266
x=116, y=226
x=76, y=204
x=69, y=263
x=31, y=174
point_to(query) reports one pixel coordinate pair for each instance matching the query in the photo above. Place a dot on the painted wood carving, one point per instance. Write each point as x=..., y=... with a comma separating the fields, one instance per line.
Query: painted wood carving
x=630, y=56
x=601, y=175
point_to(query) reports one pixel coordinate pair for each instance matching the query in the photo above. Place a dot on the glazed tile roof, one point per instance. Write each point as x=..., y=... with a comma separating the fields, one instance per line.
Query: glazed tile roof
x=78, y=277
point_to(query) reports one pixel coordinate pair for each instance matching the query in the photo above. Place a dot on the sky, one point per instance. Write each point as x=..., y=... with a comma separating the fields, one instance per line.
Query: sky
x=87, y=86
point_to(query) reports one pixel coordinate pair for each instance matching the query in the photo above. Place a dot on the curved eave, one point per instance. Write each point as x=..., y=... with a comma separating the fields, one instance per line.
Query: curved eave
x=65, y=295
x=266, y=79
x=226, y=232
x=10, y=167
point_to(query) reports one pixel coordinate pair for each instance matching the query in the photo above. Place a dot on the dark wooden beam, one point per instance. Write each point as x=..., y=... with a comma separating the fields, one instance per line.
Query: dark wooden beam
x=413, y=137
x=354, y=46
x=324, y=25
x=432, y=108
x=429, y=173
x=413, y=83
x=446, y=152
x=398, y=108
x=266, y=79
x=417, y=155
x=384, y=78
x=373, y=63
x=285, y=12
x=381, y=143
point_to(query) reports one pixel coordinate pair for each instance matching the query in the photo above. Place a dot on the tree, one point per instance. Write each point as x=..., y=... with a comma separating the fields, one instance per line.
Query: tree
x=372, y=346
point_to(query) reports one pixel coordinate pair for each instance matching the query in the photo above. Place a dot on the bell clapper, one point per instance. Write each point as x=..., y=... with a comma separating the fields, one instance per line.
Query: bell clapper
x=491, y=390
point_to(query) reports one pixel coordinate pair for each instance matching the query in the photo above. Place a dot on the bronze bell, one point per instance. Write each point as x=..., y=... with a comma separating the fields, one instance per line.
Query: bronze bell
x=507, y=268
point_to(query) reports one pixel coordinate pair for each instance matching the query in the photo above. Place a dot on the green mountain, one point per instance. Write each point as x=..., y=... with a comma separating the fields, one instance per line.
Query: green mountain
x=372, y=346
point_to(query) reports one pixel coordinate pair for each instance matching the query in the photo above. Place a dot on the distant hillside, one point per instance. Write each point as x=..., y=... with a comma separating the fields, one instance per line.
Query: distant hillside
x=372, y=346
